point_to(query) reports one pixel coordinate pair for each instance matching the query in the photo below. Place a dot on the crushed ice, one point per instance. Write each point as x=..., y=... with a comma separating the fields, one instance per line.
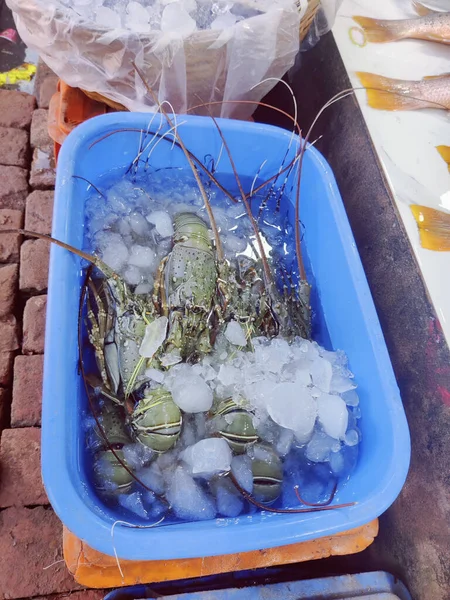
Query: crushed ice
x=301, y=398
x=181, y=17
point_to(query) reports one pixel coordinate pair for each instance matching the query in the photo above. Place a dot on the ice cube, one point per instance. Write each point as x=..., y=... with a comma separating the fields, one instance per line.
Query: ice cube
x=337, y=463
x=137, y=221
x=229, y=375
x=319, y=447
x=133, y=503
x=124, y=227
x=188, y=433
x=351, y=437
x=229, y=501
x=143, y=288
x=273, y=356
x=142, y=257
x=284, y=442
x=292, y=406
x=192, y=394
x=115, y=254
x=200, y=425
x=241, y=467
x=132, y=275
x=208, y=457
x=340, y=384
x=155, y=334
x=188, y=499
x=152, y=477
x=321, y=373
x=235, y=334
x=351, y=398
x=224, y=21
x=297, y=371
x=189, y=5
x=136, y=13
x=106, y=17
x=175, y=19
x=155, y=375
x=333, y=415
x=234, y=243
x=162, y=222
x=137, y=455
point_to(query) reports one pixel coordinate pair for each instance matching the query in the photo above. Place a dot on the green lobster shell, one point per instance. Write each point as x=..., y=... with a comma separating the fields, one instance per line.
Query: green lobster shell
x=108, y=468
x=267, y=472
x=156, y=420
x=240, y=432
x=190, y=272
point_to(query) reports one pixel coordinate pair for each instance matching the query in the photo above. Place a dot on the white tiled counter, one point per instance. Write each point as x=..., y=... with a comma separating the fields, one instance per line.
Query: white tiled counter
x=405, y=141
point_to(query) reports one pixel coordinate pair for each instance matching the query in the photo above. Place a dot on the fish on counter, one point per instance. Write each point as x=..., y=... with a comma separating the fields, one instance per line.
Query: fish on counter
x=444, y=151
x=424, y=8
x=386, y=93
x=432, y=26
x=434, y=227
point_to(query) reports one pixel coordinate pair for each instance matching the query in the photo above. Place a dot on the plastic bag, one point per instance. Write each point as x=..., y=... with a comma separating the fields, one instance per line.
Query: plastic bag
x=322, y=23
x=92, y=47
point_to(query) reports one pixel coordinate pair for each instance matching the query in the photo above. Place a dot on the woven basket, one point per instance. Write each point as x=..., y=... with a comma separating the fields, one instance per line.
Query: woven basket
x=308, y=17
x=197, y=70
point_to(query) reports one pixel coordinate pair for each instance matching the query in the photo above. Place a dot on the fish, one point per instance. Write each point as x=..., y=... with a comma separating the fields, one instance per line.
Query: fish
x=434, y=227
x=385, y=93
x=422, y=10
x=444, y=151
x=433, y=26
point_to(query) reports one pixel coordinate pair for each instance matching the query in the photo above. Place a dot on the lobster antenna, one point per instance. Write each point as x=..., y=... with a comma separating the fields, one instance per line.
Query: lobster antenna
x=266, y=268
x=219, y=248
x=250, y=498
x=91, y=258
x=177, y=144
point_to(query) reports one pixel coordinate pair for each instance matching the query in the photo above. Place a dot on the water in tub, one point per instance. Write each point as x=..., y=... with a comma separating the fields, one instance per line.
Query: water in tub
x=298, y=399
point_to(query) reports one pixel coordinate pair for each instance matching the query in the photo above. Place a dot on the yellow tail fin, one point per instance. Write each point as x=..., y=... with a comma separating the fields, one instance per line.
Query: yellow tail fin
x=385, y=93
x=421, y=9
x=434, y=227
x=377, y=30
x=444, y=151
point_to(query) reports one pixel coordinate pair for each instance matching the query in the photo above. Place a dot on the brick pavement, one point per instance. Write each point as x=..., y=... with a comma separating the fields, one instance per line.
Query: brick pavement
x=31, y=563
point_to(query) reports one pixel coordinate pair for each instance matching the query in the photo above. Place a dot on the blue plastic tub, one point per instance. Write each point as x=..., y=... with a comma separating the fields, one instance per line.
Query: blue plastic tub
x=345, y=319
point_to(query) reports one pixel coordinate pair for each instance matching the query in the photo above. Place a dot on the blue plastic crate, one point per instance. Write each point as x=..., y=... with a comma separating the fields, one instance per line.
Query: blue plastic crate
x=378, y=585
x=345, y=319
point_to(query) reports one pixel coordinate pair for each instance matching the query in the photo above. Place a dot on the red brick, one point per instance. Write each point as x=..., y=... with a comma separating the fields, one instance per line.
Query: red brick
x=21, y=483
x=43, y=173
x=9, y=242
x=39, y=211
x=34, y=259
x=9, y=276
x=27, y=391
x=4, y=412
x=39, y=137
x=13, y=147
x=83, y=595
x=42, y=73
x=46, y=91
x=6, y=367
x=16, y=109
x=14, y=188
x=31, y=560
x=8, y=334
x=34, y=325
